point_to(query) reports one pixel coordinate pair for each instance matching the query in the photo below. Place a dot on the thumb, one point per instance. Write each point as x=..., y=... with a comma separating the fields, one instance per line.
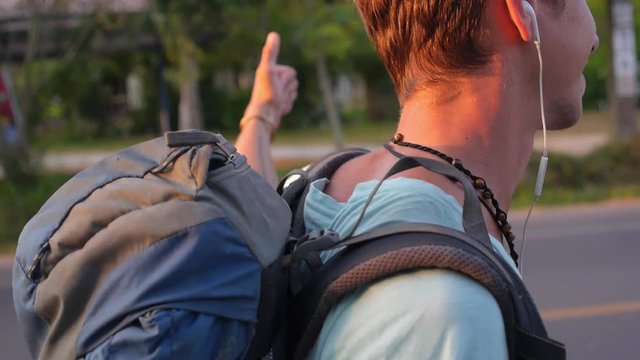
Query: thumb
x=271, y=49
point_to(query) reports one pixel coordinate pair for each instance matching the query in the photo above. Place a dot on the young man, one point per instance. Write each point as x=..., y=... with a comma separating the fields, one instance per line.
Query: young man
x=466, y=75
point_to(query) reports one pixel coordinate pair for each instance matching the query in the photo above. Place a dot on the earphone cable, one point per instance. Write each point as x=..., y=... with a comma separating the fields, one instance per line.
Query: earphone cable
x=544, y=119
x=543, y=161
x=524, y=236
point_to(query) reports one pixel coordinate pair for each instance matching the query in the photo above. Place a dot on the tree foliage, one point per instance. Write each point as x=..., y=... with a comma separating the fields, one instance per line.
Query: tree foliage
x=82, y=93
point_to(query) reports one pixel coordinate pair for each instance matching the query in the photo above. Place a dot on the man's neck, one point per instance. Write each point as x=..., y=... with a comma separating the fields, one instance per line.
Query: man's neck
x=483, y=122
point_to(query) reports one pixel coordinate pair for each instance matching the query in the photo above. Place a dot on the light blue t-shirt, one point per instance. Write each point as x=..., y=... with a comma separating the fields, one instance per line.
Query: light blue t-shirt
x=424, y=314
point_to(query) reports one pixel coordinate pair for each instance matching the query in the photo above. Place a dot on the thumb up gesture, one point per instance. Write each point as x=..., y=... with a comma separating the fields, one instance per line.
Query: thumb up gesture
x=275, y=87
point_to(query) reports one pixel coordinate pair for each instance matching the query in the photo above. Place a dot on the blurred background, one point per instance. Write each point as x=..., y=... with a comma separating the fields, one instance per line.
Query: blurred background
x=81, y=78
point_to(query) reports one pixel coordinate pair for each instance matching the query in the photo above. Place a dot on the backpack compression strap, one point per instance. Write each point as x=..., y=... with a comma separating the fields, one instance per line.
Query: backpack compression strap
x=295, y=191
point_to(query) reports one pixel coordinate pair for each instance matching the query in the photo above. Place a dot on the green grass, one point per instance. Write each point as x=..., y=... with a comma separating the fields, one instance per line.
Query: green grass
x=355, y=134
x=565, y=196
x=372, y=133
x=7, y=247
x=105, y=144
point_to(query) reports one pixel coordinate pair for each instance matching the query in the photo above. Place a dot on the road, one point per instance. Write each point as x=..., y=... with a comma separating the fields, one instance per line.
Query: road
x=12, y=345
x=580, y=263
x=581, y=266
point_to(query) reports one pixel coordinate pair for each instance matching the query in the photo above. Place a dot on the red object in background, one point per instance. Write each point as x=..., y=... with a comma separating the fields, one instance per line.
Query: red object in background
x=7, y=115
x=10, y=116
x=5, y=101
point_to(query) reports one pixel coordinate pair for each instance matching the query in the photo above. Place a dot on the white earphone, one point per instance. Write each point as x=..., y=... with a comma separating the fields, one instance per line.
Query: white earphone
x=544, y=160
x=534, y=21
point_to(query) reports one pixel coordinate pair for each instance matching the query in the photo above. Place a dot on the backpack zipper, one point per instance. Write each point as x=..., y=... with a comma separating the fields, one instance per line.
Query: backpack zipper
x=231, y=158
x=33, y=273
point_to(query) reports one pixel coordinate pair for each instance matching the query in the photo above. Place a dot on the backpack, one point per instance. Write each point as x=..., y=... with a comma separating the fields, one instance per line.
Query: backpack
x=159, y=238
x=397, y=248
x=172, y=239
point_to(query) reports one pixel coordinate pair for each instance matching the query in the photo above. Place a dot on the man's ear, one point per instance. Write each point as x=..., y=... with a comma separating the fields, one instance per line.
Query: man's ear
x=520, y=19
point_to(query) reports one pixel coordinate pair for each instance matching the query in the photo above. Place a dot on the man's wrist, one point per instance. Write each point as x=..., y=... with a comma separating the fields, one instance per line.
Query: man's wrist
x=247, y=119
x=265, y=110
x=262, y=124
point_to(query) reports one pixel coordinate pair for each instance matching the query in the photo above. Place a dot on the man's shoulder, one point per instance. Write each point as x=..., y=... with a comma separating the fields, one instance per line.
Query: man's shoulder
x=417, y=309
x=441, y=293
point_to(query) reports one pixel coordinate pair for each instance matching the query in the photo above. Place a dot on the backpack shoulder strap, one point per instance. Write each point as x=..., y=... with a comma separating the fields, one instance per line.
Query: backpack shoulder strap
x=294, y=187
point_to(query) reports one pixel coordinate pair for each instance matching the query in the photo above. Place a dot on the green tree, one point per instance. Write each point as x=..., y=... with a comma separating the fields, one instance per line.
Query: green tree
x=325, y=32
x=193, y=33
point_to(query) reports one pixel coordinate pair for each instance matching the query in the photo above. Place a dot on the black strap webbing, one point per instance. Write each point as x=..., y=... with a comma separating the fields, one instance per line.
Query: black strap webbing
x=472, y=218
x=295, y=192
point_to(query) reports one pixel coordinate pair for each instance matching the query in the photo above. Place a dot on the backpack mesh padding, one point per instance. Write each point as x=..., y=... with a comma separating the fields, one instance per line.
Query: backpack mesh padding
x=403, y=260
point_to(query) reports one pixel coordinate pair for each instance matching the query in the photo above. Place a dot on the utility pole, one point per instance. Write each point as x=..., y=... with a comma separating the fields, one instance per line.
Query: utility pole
x=623, y=84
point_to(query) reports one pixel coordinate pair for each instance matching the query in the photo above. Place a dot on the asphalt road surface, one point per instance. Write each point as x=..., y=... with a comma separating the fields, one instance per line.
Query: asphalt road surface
x=580, y=263
x=582, y=267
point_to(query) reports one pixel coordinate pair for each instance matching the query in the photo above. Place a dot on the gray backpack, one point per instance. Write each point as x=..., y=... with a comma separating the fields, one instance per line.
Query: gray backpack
x=165, y=249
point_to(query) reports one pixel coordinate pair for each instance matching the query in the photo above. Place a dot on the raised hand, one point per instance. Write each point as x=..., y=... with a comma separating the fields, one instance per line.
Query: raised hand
x=275, y=87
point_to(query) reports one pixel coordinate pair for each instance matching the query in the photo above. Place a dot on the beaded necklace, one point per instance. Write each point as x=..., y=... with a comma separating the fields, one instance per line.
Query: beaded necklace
x=479, y=184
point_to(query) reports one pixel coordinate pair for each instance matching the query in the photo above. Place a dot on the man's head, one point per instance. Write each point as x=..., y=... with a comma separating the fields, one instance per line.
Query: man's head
x=426, y=41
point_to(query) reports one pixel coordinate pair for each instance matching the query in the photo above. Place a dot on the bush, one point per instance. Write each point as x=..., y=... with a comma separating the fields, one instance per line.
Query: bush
x=611, y=171
x=17, y=163
x=21, y=201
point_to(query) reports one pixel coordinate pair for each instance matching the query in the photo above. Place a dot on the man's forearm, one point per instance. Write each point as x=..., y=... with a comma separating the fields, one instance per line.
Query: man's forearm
x=254, y=142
